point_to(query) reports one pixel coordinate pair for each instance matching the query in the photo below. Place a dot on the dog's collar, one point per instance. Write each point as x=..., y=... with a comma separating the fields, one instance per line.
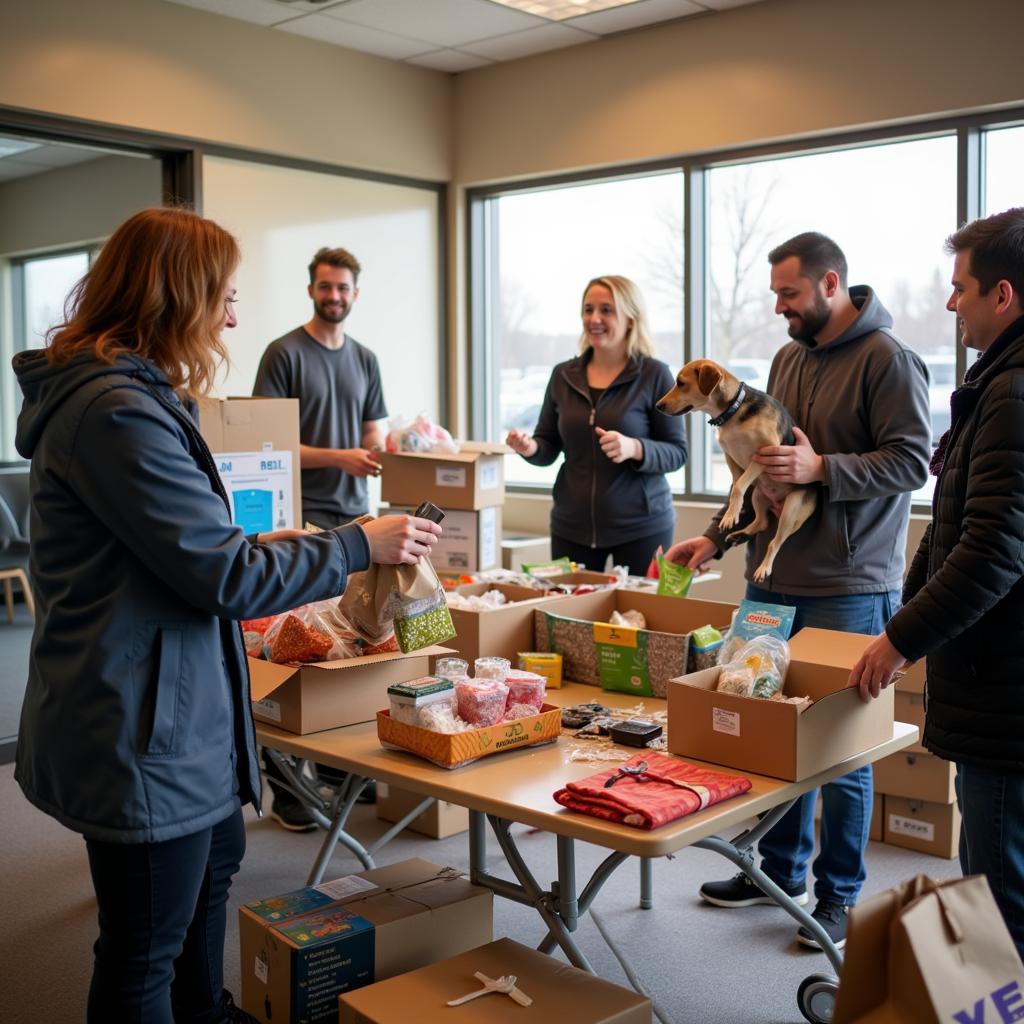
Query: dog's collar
x=731, y=408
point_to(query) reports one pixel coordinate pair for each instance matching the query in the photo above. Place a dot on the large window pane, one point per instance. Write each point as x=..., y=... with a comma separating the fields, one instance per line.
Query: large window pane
x=545, y=246
x=889, y=207
x=1004, y=157
x=48, y=281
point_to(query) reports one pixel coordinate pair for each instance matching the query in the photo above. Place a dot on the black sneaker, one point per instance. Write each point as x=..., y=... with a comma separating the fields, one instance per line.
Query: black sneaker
x=235, y=1014
x=833, y=918
x=289, y=813
x=740, y=891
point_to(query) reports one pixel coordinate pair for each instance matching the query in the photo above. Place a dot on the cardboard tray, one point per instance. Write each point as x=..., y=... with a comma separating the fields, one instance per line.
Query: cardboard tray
x=450, y=750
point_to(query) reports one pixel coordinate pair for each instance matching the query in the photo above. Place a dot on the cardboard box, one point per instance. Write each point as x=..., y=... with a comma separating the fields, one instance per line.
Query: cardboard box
x=255, y=443
x=438, y=821
x=877, y=829
x=583, y=577
x=922, y=825
x=503, y=631
x=472, y=479
x=909, y=707
x=559, y=993
x=913, y=678
x=450, y=750
x=329, y=694
x=299, y=951
x=470, y=541
x=772, y=738
x=516, y=549
x=617, y=657
x=919, y=776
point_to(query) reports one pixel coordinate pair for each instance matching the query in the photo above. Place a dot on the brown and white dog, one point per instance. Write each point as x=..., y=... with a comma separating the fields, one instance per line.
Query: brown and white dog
x=747, y=420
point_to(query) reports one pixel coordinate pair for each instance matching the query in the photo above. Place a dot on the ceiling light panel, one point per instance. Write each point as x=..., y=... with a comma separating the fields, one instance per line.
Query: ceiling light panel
x=559, y=10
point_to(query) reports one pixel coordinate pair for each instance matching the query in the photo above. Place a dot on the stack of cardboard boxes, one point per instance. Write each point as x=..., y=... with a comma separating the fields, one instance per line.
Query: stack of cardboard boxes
x=915, y=802
x=468, y=486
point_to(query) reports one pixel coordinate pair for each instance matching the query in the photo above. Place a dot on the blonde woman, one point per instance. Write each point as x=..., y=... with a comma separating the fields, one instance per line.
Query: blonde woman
x=611, y=496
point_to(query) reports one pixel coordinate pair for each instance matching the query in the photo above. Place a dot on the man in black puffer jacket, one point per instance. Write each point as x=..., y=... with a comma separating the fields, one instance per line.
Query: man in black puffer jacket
x=963, y=601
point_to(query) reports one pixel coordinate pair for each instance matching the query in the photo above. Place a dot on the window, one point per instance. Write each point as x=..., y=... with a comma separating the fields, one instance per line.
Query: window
x=545, y=246
x=1004, y=157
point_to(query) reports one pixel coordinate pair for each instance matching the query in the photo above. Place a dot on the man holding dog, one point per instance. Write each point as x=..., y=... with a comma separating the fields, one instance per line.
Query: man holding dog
x=859, y=398
x=964, y=594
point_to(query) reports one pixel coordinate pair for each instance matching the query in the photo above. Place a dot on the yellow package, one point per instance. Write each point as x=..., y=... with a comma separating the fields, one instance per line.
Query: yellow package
x=543, y=664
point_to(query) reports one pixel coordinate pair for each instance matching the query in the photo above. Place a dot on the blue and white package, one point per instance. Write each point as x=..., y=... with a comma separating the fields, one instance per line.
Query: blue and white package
x=753, y=619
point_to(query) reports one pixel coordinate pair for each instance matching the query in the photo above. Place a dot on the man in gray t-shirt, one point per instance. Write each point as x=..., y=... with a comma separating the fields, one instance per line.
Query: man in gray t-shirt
x=337, y=383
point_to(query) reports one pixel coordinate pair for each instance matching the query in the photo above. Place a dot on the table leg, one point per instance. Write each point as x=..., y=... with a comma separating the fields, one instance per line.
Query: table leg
x=646, y=883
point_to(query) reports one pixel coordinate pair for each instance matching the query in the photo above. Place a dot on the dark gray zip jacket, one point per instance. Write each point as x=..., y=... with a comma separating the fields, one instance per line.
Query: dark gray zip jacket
x=964, y=596
x=136, y=725
x=862, y=401
x=596, y=501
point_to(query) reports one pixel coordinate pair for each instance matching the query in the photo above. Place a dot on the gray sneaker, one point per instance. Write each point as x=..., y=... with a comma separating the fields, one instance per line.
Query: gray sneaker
x=833, y=918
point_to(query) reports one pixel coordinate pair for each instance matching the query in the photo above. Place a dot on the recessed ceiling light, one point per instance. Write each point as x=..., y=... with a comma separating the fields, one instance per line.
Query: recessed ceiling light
x=559, y=10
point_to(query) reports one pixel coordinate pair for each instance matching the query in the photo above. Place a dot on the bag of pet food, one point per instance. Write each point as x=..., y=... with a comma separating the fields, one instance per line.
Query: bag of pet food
x=753, y=619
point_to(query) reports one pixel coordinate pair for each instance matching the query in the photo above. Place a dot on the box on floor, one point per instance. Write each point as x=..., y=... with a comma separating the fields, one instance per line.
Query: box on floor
x=255, y=444
x=471, y=479
x=921, y=825
x=470, y=541
x=330, y=694
x=877, y=829
x=917, y=776
x=301, y=950
x=440, y=820
x=559, y=993
x=909, y=707
x=774, y=738
x=637, y=661
x=517, y=549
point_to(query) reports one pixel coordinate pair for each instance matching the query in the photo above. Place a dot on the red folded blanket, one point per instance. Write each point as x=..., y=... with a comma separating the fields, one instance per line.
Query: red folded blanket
x=666, y=790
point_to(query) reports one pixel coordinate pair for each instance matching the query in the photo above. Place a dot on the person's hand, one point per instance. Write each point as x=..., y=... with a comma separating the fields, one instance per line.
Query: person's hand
x=522, y=443
x=358, y=461
x=618, y=447
x=792, y=463
x=874, y=671
x=695, y=553
x=272, y=535
x=397, y=539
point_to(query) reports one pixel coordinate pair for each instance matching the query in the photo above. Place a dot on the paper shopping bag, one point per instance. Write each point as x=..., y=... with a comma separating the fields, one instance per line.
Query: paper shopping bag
x=930, y=952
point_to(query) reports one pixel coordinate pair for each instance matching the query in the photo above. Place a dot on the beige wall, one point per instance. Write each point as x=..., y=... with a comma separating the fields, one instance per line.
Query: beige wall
x=167, y=68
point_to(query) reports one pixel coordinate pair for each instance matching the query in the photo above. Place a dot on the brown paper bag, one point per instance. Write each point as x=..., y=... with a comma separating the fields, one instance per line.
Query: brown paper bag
x=930, y=952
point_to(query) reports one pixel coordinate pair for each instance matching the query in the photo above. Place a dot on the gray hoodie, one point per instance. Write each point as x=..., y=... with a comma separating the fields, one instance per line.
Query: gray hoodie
x=862, y=401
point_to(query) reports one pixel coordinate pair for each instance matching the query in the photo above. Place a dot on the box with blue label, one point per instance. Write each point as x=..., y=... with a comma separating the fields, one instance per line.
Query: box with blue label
x=300, y=951
x=255, y=446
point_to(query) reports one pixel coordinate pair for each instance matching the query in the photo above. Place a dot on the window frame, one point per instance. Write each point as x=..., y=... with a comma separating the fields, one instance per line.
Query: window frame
x=969, y=130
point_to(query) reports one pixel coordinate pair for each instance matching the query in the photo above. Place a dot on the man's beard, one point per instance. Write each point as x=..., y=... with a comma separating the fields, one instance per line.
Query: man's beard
x=331, y=316
x=811, y=322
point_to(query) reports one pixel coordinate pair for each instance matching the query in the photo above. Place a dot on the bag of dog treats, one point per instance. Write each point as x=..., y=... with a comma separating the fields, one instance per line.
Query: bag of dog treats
x=753, y=619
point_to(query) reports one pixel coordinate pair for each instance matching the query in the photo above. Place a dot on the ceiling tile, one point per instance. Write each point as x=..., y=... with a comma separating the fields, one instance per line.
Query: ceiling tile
x=260, y=12
x=449, y=60
x=442, y=22
x=533, y=40
x=305, y=6
x=356, y=37
x=645, y=12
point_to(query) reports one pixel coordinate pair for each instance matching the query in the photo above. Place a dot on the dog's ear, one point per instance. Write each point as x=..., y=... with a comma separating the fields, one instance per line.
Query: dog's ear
x=708, y=378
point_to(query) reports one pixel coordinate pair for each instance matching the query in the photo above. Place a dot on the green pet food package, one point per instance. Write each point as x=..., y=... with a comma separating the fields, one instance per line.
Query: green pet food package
x=542, y=570
x=705, y=643
x=673, y=580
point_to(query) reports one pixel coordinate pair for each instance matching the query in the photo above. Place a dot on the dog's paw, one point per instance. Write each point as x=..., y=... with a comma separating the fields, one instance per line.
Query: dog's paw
x=762, y=572
x=729, y=519
x=736, y=536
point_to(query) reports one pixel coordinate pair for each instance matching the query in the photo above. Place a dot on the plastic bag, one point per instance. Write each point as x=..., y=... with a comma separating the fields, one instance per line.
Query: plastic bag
x=314, y=632
x=753, y=619
x=422, y=435
x=631, y=617
x=758, y=668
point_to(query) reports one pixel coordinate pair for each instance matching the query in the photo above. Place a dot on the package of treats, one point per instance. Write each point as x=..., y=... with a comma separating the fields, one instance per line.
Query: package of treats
x=314, y=632
x=543, y=663
x=705, y=643
x=409, y=699
x=481, y=701
x=488, y=667
x=673, y=580
x=525, y=688
x=753, y=619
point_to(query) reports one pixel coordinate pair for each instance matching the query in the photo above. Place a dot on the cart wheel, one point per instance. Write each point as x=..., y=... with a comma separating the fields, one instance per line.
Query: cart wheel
x=816, y=998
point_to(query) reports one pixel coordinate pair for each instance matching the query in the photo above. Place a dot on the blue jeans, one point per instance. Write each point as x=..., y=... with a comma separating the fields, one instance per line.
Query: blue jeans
x=992, y=837
x=162, y=915
x=839, y=869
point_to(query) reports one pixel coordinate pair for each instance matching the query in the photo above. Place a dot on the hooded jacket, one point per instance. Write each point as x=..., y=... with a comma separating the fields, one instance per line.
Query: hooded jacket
x=862, y=401
x=964, y=596
x=595, y=501
x=136, y=723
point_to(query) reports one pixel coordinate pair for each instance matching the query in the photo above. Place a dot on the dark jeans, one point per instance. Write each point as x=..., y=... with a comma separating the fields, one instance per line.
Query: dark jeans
x=162, y=915
x=839, y=869
x=635, y=555
x=992, y=837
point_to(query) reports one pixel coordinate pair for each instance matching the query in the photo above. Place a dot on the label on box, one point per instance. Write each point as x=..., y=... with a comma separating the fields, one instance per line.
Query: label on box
x=489, y=476
x=622, y=660
x=913, y=827
x=383, y=791
x=488, y=537
x=259, y=486
x=620, y=636
x=725, y=721
x=342, y=888
x=267, y=708
x=450, y=476
x=260, y=968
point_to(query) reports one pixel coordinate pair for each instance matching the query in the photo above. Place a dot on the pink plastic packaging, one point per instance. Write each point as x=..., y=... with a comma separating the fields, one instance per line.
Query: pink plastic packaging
x=481, y=702
x=525, y=688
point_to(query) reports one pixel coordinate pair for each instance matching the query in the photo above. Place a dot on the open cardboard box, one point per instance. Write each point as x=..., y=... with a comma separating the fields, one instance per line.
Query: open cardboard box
x=772, y=738
x=471, y=479
x=330, y=694
x=639, y=661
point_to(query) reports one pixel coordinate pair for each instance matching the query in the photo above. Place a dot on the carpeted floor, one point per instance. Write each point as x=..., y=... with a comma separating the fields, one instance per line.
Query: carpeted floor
x=702, y=965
